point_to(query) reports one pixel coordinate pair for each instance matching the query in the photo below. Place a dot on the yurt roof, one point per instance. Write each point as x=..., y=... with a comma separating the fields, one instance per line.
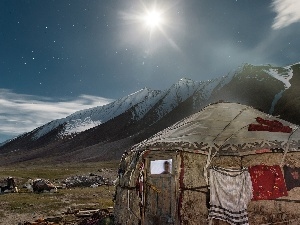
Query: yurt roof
x=224, y=127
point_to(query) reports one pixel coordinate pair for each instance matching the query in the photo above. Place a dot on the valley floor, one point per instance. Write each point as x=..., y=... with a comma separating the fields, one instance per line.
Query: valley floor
x=66, y=203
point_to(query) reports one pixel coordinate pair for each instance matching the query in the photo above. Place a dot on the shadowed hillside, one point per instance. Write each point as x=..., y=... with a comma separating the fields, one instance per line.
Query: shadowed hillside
x=115, y=127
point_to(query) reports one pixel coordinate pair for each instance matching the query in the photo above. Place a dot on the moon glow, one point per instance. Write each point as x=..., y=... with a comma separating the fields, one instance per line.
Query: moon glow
x=153, y=19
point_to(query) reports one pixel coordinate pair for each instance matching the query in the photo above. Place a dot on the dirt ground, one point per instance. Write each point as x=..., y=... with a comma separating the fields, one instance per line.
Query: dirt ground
x=15, y=219
x=66, y=205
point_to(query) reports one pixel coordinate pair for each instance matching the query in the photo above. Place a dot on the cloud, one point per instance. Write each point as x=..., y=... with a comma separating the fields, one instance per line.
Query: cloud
x=288, y=12
x=21, y=113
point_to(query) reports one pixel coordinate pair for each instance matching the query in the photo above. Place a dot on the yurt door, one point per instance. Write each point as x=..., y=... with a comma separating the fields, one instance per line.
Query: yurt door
x=160, y=204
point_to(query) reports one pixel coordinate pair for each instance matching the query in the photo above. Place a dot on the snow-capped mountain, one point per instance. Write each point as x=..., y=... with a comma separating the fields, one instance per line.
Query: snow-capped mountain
x=104, y=132
x=89, y=118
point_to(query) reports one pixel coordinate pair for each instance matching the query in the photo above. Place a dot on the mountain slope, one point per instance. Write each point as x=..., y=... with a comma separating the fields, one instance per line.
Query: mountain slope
x=288, y=105
x=103, y=133
x=86, y=119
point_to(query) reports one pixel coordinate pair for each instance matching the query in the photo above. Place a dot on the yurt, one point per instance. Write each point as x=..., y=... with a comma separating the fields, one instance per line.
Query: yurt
x=227, y=164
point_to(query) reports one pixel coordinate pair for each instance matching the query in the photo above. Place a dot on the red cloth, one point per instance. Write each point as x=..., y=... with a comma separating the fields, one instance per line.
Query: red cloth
x=267, y=182
x=269, y=125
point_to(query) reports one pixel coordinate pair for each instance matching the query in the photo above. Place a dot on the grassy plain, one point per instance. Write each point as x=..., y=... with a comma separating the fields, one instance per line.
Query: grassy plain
x=53, y=204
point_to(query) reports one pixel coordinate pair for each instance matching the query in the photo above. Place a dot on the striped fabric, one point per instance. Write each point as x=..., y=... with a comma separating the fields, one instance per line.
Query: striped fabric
x=230, y=193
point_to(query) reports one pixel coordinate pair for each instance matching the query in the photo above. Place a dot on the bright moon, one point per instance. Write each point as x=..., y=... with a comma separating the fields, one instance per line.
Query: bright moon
x=153, y=19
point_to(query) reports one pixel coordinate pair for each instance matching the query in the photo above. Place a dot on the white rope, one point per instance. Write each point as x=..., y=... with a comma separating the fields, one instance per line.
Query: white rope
x=287, y=148
x=208, y=161
x=210, y=157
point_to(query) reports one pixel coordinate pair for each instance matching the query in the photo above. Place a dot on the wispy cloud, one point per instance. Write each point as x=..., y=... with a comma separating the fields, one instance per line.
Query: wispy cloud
x=288, y=12
x=22, y=113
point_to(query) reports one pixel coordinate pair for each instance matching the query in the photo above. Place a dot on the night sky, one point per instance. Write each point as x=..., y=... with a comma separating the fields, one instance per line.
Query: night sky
x=60, y=56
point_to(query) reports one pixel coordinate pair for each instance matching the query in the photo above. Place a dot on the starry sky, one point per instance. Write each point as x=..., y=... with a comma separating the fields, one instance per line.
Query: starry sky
x=61, y=56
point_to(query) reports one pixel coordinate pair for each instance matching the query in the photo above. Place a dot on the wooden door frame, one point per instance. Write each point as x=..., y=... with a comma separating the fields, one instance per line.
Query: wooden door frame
x=176, y=161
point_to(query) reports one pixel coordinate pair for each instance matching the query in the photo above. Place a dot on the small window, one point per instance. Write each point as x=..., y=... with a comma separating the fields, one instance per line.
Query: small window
x=161, y=166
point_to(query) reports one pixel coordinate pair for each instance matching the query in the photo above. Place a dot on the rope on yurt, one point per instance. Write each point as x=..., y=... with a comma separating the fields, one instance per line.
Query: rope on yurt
x=287, y=147
x=128, y=205
x=210, y=156
x=133, y=163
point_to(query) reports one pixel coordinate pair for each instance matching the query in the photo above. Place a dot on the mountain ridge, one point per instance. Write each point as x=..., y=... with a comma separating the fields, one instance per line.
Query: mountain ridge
x=135, y=117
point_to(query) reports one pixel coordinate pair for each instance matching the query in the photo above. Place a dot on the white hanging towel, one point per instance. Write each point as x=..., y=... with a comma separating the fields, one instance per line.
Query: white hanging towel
x=230, y=193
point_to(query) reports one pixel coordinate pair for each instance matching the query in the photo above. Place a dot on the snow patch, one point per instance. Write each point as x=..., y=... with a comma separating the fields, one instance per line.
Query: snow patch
x=284, y=77
x=89, y=118
x=275, y=100
x=79, y=125
x=178, y=93
x=144, y=106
